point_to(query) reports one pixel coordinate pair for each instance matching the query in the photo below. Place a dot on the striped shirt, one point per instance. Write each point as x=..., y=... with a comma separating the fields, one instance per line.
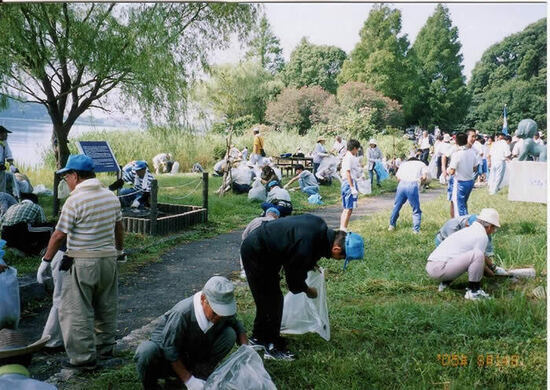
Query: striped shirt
x=88, y=218
x=129, y=175
x=26, y=211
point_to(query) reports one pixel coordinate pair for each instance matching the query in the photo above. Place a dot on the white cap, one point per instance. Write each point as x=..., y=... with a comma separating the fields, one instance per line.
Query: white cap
x=219, y=292
x=489, y=216
x=446, y=138
x=372, y=142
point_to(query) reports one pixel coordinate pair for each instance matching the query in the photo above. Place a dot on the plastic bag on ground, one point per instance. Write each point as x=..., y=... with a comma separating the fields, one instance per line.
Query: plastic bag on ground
x=42, y=190
x=9, y=298
x=244, y=369
x=302, y=314
x=315, y=199
x=257, y=192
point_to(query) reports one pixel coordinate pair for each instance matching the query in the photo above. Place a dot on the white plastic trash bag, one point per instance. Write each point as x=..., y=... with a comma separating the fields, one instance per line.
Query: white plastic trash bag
x=9, y=298
x=244, y=369
x=302, y=314
x=327, y=168
x=432, y=168
x=364, y=186
x=257, y=192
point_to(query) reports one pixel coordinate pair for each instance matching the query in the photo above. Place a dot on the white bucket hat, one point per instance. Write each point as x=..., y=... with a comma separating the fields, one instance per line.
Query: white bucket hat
x=372, y=142
x=489, y=216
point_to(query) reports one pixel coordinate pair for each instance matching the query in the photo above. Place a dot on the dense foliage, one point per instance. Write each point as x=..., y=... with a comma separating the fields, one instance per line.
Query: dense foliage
x=511, y=72
x=441, y=95
x=264, y=47
x=311, y=64
x=379, y=58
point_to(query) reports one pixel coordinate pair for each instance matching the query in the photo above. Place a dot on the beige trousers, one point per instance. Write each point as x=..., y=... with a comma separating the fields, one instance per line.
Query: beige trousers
x=88, y=308
x=472, y=262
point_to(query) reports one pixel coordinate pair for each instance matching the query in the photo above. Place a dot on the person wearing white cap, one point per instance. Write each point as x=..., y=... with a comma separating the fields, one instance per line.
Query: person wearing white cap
x=464, y=251
x=257, y=147
x=15, y=358
x=192, y=337
x=374, y=155
x=319, y=153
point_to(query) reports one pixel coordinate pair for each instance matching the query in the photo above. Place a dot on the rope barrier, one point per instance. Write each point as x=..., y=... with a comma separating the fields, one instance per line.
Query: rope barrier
x=189, y=194
x=183, y=185
x=131, y=193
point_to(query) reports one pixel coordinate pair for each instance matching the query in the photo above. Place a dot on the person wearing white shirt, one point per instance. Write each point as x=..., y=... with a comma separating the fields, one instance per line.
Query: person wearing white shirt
x=5, y=156
x=500, y=152
x=411, y=174
x=517, y=150
x=462, y=166
x=464, y=251
x=425, y=147
x=339, y=147
x=446, y=150
x=351, y=170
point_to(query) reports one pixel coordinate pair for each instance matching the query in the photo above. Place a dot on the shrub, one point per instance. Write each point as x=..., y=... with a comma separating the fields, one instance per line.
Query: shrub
x=300, y=108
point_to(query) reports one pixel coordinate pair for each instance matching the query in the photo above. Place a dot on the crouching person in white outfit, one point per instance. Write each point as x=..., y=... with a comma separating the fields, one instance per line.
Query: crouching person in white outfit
x=464, y=251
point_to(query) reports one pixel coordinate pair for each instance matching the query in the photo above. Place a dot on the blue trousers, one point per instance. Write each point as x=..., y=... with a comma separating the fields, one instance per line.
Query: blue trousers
x=407, y=190
x=372, y=172
x=310, y=190
x=461, y=191
x=283, y=210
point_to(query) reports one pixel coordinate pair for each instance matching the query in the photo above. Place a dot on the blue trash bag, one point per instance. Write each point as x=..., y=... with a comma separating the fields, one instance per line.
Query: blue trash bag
x=381, y=171
x=315, y=199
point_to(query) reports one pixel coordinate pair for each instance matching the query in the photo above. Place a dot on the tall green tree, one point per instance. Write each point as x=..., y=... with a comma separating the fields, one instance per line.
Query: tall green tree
x=265, y=47
x=379, y=58
x=511, y=72
x=235, y=91
x=70, y=57
x=311, y=65
x=441, y=95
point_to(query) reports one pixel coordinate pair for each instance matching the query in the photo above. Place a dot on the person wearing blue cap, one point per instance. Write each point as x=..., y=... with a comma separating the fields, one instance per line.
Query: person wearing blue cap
x=278, y=198
x=91, y=224
x=137, y=174
x=294, y=244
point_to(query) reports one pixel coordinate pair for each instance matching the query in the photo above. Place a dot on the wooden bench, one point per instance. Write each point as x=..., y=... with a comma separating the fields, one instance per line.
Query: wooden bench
x=287, y=165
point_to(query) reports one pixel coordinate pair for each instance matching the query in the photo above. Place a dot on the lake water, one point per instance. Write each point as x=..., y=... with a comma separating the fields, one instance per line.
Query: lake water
x=31, y=137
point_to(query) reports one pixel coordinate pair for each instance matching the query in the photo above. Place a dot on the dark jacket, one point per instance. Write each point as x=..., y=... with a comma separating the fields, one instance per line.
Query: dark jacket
x=179, y=336
x=293, y=243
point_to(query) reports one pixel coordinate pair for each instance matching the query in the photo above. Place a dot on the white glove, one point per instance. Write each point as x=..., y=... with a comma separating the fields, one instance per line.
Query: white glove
x=499, y=271
x=135, y=204
x=44, y=270
x=354, y=192
x=194, y=383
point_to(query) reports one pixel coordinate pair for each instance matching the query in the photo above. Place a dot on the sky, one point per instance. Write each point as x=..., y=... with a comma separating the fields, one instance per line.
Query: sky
x=479, y=25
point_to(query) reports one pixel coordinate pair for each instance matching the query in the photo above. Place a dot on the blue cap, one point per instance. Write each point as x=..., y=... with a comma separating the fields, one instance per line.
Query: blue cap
x=355, y=248
x=140, y=164
x=274, y=211
x=272, y=183
x=78, y=162
x=472, y=219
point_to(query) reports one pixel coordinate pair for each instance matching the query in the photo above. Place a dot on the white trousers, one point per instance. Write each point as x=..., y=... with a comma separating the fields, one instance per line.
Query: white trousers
x=52, y=327
x=496, y=178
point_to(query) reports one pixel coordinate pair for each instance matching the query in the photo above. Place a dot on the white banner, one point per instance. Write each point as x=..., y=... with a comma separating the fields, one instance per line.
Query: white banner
x=528, y=181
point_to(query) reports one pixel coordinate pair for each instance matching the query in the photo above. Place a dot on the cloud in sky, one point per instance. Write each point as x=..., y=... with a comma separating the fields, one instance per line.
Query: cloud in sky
x=479, y=25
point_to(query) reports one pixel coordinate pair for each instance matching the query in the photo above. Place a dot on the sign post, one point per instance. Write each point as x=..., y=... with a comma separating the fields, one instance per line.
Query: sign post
x=101, y=153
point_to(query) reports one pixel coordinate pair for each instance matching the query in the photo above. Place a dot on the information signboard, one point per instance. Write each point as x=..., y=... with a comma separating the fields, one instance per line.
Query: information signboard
x=101, y=153
x=527, y=181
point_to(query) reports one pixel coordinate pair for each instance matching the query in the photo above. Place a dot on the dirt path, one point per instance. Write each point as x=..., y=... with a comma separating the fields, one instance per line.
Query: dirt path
x=182, y=271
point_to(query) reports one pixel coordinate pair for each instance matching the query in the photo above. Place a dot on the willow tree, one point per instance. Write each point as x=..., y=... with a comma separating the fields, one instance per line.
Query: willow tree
x=71, y=57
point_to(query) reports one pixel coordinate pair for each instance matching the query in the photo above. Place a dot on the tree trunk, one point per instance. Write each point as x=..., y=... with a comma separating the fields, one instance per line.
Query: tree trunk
x=61, y=151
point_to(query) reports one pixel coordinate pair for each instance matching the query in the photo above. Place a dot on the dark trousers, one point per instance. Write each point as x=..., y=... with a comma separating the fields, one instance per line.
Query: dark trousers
x=151, y=364
x=264, y=284
x=424, y=156
x=240, y=188
x=28, y=241
x=284, y=210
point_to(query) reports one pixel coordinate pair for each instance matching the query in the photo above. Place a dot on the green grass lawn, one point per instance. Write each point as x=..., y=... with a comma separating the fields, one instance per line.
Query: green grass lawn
x=225, y=214
x=390, y=327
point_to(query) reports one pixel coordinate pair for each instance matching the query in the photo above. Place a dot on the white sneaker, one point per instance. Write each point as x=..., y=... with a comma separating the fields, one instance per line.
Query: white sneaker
x=476, y=295
x=416, y=231
x=391, y=228
x=243, y=275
